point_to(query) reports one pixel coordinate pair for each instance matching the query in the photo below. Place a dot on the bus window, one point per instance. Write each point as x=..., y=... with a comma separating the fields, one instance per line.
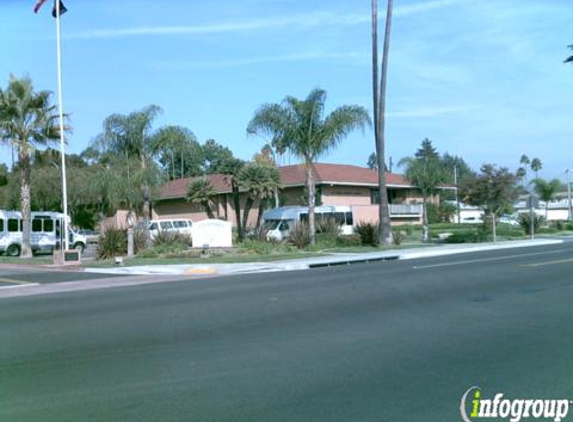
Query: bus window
x=48, y=225
x=165, y=225
x=1, y=224
x=12, y=225
x=36, y=225
x=349, y=219
x=304, y=218
x=339, y=218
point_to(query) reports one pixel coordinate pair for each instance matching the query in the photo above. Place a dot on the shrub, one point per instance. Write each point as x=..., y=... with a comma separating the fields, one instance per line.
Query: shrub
x=569, y=225
x=171, y=238
x=525, y=222
x=464, y=236
x=329, y=227
x=111, y=243
x=368, y=233
x=258, y=233
x=140, y=240
x=397, y=237
x=348, y=241
x=299, y=235
x=559, y=225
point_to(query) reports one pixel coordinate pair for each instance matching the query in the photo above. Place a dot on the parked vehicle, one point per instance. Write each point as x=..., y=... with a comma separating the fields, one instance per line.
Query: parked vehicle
x=509, y=219
x=46, y=232
x=278, y=221
x=91, y=235
x=178, y=225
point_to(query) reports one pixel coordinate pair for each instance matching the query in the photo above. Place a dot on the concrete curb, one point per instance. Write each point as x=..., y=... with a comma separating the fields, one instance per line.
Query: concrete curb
x=307, y=263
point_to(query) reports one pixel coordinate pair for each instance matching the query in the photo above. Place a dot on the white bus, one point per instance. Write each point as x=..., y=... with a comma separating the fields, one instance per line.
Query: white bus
x=279, y=220
x=46, y=232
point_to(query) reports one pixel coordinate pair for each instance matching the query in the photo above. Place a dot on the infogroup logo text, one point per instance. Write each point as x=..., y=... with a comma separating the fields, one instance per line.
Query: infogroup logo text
x=474, y=407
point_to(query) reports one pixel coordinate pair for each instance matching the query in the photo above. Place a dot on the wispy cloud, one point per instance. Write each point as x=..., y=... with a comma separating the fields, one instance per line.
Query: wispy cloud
x=279, y=58
x=306, y=21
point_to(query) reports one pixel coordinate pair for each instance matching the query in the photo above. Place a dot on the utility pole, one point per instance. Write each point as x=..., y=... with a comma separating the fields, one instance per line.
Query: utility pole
x=569, y=205
x=457, y=197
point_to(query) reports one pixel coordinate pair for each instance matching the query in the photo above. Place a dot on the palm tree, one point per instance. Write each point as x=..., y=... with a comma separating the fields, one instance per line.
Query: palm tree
x=261, y=181
x=28, y=119
x=536, y=165
x=546, y=190
x=379, y=100
x=427, y=174
x=201, y=192
x=300, y=125
x=130, y=136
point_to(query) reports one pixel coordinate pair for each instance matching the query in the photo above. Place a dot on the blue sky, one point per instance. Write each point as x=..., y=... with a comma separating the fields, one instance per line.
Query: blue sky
x=482, y=79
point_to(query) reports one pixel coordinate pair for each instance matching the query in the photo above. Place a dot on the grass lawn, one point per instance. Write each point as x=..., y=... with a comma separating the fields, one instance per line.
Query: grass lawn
x=28, y=261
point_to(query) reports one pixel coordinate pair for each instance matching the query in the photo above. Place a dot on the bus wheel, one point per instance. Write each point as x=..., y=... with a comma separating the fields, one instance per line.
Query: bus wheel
x=79, y=247
x=13, y=250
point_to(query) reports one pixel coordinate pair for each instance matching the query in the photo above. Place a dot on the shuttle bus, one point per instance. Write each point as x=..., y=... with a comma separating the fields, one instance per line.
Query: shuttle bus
x=46, y=232
x=279, y=220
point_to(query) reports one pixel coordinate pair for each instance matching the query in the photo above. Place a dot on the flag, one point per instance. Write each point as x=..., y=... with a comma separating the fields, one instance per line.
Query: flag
x=62, y=8
x=40, y=3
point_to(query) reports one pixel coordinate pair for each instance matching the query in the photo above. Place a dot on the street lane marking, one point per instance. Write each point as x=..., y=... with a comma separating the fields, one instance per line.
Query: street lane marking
x=16, y=283
x=497, y=258
x=541, y=264
x=201, y=271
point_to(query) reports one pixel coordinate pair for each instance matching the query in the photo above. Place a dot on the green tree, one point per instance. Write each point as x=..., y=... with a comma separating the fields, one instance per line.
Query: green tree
x=536, y=166
x=261, y=182
x=427, y=174
x=372, y=162
x=427, y=150
x=28, y=119
x=201, y=192
x=130, y=137
x=217, y=158
x=379, y=107
x=307, y=133
x=179, y=153
x=546, y=190
x=493, y=188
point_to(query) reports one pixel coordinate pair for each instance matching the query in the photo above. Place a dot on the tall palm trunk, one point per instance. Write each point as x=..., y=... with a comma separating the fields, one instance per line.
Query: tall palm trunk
x=379, y=98
x=237, y=204
x=24, y=162
x=208, y=210
x=425, y=230
x=146, y=208
x=262, y=204
x=248, y=205
x=311, y=200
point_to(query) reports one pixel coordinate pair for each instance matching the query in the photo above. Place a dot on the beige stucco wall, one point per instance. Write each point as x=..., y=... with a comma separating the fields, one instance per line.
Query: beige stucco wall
x=345, y=195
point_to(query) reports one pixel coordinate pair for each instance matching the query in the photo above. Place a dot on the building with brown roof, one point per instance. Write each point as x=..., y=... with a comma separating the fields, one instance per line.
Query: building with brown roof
x=337, y=184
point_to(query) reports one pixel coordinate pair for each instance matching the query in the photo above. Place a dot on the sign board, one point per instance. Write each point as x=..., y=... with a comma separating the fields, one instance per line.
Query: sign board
x=215, y=233
x=68, y=257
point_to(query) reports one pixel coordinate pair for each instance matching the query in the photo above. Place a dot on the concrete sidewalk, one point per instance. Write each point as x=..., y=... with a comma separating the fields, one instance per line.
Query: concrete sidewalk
x=324, y=261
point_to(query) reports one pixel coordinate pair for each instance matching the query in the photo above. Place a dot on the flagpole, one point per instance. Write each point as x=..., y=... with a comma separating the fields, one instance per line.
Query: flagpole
x=61, y=112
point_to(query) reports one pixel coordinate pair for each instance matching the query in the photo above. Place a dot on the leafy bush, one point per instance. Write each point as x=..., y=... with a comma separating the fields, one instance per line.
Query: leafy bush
x=258, y=233
x=329, y=227
x=569, y=225
x=368, y=233
x=559, y=225
x=171, y=238
x=299, y=235
x=112, y=242
x=464, y=236
x=348, y=241
x=140, y=240
x=397, y=237
x=524, y=220
x=264, y=248
x=442, y=213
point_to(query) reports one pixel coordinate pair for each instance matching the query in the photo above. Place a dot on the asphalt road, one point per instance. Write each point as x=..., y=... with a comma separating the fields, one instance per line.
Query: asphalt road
x=25, y=276
x=390, y=341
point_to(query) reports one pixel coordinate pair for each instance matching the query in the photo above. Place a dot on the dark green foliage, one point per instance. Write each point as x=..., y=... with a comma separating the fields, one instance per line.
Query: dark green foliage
x=265, y=248
x=525, y=222
x=112, y=242
x=299, y=235
x=368, y=233
x=442, y=213
x=328, y=226
x=140, y=240
x=348, y=241
x=171, y=238
x=397, y=237
x=464, y=236
x=427, y=150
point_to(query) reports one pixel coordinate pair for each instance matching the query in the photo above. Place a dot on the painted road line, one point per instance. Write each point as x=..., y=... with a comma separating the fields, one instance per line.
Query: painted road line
x=13, y=286
x=200, y=271
x=16, y=283
x=541, y=264
x=497, y=258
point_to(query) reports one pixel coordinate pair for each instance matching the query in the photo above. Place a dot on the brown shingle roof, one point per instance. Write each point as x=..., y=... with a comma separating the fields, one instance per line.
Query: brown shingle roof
x=341, y=174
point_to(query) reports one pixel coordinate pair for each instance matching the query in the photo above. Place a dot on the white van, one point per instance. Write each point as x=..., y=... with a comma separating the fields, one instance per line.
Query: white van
x=173, y=225
x=46, y=232
x=278, y=221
